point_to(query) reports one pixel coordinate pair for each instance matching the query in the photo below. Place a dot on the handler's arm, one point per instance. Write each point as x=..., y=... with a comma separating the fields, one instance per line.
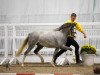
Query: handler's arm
x=80, y=29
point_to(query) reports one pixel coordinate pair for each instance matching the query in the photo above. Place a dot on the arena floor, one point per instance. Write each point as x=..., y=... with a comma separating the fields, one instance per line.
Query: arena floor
x=47, y=68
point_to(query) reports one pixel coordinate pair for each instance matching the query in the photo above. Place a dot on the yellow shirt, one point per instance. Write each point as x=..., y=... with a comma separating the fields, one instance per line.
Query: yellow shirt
x=78, y=26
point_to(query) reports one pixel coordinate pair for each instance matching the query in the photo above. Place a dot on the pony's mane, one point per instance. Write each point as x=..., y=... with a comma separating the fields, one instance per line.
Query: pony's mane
x=66, y=25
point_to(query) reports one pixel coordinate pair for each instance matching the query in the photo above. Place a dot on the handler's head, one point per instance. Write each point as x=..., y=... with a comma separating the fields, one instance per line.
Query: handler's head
x=73, y=17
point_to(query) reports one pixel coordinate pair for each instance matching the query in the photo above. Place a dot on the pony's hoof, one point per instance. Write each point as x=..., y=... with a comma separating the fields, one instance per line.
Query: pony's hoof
x=22, y=65
x=42, y=61
x=52, y=64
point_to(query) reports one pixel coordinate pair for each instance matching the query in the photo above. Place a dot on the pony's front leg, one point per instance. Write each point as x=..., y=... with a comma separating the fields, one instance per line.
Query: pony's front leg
x=63, y=47
x=55, y=52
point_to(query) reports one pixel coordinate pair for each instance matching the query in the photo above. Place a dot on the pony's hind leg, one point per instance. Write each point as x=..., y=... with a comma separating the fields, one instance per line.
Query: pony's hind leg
x=26, y=52
x=39, y=47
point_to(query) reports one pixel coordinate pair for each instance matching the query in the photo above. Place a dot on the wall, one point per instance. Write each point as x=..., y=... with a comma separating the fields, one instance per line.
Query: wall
x=48, y=11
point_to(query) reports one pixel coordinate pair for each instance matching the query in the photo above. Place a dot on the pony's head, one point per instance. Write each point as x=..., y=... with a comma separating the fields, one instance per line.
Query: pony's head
x=67, y=26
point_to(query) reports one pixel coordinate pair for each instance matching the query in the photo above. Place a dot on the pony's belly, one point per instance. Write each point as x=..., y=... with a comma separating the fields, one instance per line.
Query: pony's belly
x=51, y=39
x=47, y=44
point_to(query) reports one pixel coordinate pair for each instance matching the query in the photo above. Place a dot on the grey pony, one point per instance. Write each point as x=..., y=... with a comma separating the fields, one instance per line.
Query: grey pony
x=51, y=39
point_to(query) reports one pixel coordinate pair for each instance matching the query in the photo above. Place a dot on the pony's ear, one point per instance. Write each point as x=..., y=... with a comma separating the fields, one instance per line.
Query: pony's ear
x=66, y=25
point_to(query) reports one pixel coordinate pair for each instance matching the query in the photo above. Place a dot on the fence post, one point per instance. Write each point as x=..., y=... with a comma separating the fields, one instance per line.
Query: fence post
x=6, y=46
x=14, y=59
x=14, y=34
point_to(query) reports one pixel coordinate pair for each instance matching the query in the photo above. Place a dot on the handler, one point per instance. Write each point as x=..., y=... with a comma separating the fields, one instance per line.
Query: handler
x=70, y=39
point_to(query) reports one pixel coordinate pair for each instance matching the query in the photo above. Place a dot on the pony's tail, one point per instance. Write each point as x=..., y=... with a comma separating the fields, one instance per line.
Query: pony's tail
x=22, y=47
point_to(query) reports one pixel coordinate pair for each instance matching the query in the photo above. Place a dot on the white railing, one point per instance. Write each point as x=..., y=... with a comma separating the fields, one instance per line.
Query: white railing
x=11, y=35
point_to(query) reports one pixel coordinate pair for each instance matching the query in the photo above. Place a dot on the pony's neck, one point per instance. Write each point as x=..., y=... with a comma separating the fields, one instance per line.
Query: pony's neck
x=65, y=32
